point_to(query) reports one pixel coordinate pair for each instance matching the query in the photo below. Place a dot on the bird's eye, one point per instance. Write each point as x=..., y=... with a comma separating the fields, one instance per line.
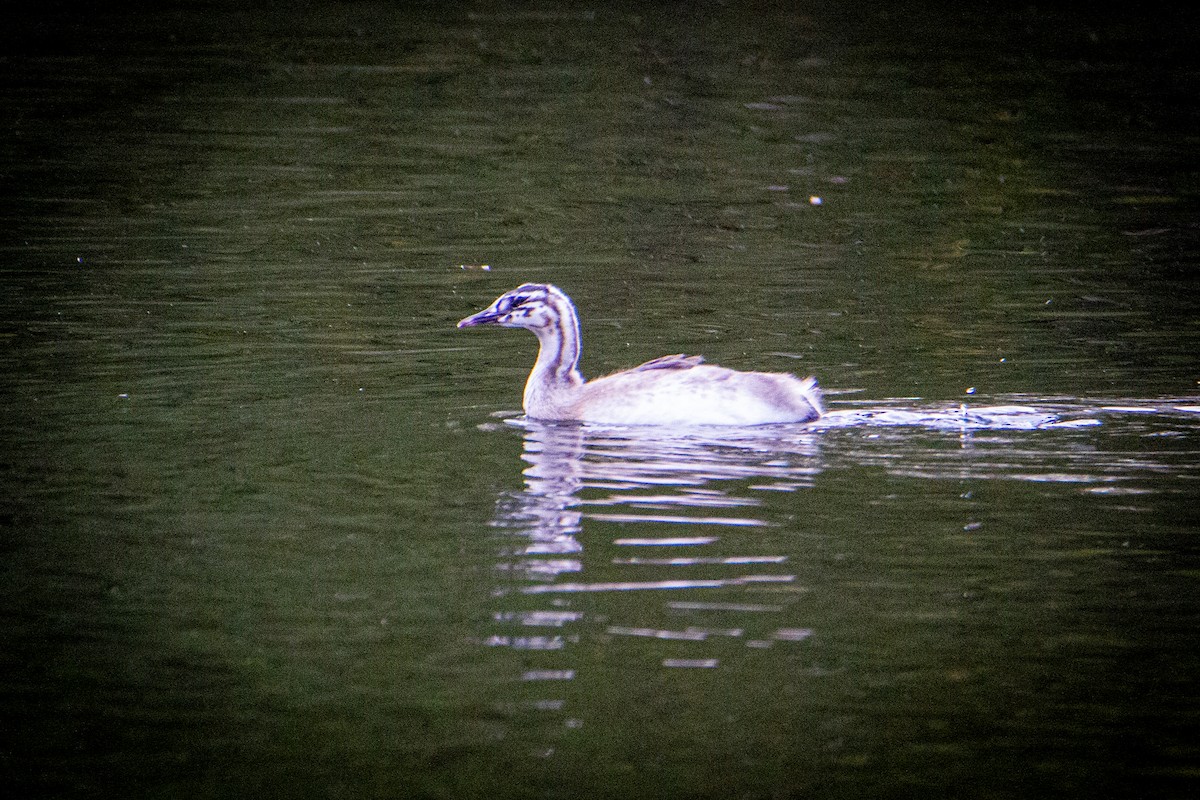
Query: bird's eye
x=516, y=301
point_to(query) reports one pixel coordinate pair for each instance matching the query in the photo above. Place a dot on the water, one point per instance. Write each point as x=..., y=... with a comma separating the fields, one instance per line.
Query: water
x=271, y=525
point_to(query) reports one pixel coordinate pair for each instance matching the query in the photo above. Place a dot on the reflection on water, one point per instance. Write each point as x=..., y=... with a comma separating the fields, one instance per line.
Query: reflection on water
x=671, y=485
x=651, y=550
x=693, y=482
x=659, y=478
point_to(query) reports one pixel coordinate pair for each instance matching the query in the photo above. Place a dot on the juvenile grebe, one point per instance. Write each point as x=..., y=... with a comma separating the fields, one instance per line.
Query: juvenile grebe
x=671, y=390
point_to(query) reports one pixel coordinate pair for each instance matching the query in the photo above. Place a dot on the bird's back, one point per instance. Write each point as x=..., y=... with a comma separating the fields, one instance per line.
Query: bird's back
x=688, y=392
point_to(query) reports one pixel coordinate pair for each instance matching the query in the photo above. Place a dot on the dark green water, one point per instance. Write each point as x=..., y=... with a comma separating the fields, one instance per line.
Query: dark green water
x=268, y=525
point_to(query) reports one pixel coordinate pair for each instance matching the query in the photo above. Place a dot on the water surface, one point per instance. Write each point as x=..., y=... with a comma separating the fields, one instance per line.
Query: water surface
x=271, y=525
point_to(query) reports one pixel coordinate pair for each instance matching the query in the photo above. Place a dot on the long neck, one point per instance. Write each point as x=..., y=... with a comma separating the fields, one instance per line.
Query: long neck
x=557, y=368
x=558, y=356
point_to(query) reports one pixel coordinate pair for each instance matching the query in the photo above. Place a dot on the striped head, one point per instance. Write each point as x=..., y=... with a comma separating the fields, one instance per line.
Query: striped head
x=535, y=306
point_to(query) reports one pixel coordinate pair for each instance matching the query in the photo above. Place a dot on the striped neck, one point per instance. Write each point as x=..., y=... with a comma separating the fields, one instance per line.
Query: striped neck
x=559, y=340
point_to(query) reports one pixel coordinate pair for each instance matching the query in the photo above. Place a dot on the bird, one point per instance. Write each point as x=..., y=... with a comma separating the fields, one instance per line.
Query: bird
x=674, y=390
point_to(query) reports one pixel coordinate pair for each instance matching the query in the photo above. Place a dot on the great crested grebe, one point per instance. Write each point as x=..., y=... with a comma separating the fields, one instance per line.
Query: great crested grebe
x=671, y=390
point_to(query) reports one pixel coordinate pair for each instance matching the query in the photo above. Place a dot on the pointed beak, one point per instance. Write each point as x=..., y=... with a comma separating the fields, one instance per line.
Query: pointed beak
x=485, y=317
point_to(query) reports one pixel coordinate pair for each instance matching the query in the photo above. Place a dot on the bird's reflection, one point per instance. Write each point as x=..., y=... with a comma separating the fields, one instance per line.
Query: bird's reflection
x=669, y=516
x=695, y=481
x=543, y=517
x=661, y=551
x=692, y=484
x=656, y=476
